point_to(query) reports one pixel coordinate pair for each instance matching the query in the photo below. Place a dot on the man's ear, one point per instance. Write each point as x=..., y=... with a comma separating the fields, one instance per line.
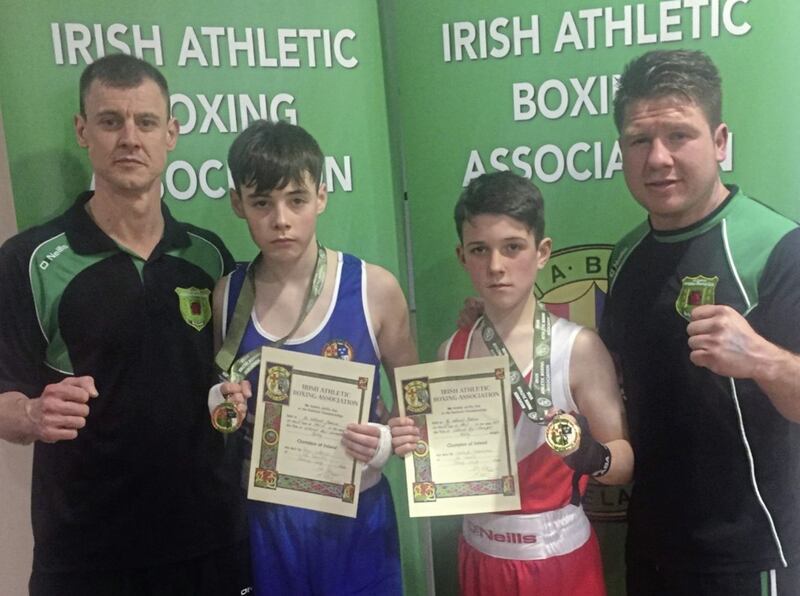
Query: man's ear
x=460, y=254
x=236, y=203
x=721, y=141
x=543, y=252
x=79, y=123
x=173, y=130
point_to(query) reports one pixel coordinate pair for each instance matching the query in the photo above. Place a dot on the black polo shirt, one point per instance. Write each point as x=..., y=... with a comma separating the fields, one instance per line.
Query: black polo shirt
x=147, y=481
x=717, y=471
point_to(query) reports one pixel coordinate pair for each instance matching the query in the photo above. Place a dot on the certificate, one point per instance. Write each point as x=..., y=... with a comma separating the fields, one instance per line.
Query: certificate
x=465, y=460
x=304, y=404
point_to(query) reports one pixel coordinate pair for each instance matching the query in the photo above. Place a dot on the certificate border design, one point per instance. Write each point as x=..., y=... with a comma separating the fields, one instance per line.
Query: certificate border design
x=267, y=474
x=425, y=489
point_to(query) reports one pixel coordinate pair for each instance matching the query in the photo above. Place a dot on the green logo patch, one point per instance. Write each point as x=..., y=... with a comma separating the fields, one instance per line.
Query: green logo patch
x=695, y=291
x=195, y=306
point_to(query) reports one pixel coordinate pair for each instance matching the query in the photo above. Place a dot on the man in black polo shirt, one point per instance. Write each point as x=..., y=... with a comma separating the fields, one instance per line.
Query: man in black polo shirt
x=703, y=313
x=105, y=362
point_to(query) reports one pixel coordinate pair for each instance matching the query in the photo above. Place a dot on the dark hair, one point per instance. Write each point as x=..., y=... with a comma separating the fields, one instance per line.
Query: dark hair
x=272, y=154
x=123, y=72
x=690, y=74
x=502, y=193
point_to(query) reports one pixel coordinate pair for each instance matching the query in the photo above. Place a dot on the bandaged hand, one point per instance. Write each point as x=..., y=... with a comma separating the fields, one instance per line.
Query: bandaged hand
x=370, y=443
x=591, y=457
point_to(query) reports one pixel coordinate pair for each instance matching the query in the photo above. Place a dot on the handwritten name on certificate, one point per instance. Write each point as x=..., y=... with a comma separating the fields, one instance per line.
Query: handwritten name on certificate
x=465, y=460
x=304, y=404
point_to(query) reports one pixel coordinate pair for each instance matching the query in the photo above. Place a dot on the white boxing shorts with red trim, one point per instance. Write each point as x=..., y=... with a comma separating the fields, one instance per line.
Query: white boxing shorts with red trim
x=554, y=553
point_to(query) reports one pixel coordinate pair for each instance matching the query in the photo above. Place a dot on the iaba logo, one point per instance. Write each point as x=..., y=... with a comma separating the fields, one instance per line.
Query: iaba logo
x=573, y=285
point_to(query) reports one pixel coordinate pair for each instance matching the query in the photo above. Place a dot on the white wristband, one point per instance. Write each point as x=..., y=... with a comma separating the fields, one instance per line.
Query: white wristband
x=215, y=397
x=384, y=449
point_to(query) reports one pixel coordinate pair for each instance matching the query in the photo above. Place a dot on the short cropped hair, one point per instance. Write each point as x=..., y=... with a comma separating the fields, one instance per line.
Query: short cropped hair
x=270, y=155
x=682, y=73
x=122, y=72
x=501, y=193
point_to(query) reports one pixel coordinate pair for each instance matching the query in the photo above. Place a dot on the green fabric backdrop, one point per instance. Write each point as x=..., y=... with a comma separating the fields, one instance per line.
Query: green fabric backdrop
x=416, y=96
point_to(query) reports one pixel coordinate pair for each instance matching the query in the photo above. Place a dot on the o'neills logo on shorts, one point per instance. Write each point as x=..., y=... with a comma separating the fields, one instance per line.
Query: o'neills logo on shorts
x=510, y=537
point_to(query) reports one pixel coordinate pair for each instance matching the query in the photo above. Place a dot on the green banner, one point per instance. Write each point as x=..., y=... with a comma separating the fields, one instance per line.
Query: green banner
x=470, y=87
x=529, y=86
x=315, y=63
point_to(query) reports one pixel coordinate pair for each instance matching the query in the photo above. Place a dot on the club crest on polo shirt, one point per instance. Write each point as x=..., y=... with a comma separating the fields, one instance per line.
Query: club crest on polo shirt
x=338, y=348
x=696, y=290
x=195, y=306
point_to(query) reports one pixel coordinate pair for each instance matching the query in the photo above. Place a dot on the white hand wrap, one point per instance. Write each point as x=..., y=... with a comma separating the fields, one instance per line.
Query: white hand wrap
x=215, y=397
x=384, y=449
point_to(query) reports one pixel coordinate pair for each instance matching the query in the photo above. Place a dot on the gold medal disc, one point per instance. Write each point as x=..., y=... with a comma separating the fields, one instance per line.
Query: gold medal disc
x=226, y=418
x=563, y=434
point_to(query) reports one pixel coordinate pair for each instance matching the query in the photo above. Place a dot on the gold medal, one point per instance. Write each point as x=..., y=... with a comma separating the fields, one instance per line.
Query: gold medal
x=563, y=434
x=226, y=417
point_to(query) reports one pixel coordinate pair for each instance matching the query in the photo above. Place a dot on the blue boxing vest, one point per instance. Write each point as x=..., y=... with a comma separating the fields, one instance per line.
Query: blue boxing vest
x=302, y=552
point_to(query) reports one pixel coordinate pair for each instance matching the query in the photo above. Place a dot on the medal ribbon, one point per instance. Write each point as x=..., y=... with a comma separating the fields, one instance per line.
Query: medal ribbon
x=237, y=371
x=536, y=400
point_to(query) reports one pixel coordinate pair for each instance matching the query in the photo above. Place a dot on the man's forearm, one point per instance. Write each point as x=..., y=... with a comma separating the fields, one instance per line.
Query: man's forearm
x=779, y=378
x=15, y=424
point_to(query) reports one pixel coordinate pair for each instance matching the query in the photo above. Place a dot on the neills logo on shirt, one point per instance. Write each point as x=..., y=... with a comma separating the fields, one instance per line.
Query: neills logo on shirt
x=52, y=256
x=511, y=537
x=195, y=306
